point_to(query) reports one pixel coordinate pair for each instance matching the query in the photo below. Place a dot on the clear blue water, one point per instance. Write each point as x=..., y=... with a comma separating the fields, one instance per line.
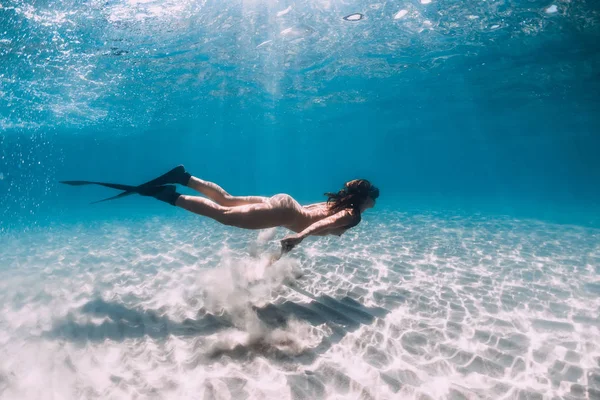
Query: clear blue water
x=476, y=275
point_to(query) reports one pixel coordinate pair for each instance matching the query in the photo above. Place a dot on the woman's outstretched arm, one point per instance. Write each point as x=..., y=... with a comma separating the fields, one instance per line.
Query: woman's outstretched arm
x=335, y=221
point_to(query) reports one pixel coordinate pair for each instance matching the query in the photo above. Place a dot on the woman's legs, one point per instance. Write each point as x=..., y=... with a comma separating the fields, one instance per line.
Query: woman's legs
x=220, y=196
x=249, y=212
x=250, y=216
x=201, y=206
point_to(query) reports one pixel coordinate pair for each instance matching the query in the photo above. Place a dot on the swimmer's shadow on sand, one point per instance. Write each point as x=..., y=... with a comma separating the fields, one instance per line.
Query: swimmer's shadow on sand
x=128, y=323
x=122, y=323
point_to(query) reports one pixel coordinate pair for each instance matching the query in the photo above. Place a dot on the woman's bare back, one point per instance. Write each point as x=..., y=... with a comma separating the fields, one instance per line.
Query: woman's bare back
x=279, y=210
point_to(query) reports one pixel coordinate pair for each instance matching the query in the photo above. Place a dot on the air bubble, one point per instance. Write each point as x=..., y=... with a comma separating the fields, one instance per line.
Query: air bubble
x=400, y=14
x=354, y=17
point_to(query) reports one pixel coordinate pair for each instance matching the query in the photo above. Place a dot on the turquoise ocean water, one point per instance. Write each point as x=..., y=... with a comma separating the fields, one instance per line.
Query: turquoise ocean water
x=477, y=274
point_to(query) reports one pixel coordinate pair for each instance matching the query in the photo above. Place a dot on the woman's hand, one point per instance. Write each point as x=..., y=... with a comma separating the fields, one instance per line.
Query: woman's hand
x=289, y=242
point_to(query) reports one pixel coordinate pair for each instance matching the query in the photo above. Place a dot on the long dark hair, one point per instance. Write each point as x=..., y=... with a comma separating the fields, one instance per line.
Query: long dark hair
x=352, y=196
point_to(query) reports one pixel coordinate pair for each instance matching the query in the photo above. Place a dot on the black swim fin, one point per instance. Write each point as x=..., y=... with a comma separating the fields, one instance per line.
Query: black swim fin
x=176, y=175
x=128, y=190
x=123, y=194
x=105, y=184
x=166, y=193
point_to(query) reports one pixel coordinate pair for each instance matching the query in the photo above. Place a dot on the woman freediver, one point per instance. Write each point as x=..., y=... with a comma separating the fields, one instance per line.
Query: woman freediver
x=340, y=212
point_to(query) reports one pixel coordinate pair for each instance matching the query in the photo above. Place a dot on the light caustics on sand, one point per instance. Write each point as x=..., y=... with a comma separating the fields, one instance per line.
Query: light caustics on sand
x=402, y=307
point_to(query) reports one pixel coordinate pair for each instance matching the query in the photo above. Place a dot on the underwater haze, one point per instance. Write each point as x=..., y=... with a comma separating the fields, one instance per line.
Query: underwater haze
x=476, y=275
x=480, y=101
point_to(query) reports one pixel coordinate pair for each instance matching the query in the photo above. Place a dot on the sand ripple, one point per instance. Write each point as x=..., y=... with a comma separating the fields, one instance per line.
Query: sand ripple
x=425, y=306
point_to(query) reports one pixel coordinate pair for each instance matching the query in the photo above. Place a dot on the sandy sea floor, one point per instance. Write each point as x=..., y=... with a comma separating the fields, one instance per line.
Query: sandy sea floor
x=427, y=306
